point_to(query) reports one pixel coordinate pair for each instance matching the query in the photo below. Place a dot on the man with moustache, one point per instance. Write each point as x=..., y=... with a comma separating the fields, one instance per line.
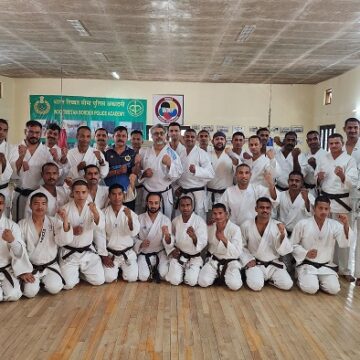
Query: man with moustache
x=337, y=176
x=203, y=139
x=197, y=172
x=237, y=142
x=266, y=240
x=264, y=135
x=57, y=196
x=309, y=160
x=314, y=239
x=101, y=140
x=136, y=139
x=161, y=166
x=83, y=154
x=27, y=161
x=287, y=159
x=121, y=160
x=43, y=235
x=152, y=243
x=223, y=166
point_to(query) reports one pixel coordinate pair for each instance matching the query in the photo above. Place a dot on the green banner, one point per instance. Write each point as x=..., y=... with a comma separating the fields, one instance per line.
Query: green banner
x=74, y=111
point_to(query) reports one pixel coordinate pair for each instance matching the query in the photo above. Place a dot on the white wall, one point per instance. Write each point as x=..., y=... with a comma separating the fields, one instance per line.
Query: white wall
x=206, y=104
x=345, y=101
x=7, y=101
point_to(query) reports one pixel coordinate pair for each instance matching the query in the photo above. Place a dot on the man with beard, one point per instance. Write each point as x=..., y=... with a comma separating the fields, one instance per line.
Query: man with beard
x=121, y=160
x=14, y=260
x=314, y=240
x=83, y=154
x=240, y=199
x=260, y=164
x=27, y=162
x=153, y=241
x=308, y=161
x=352, y=148
x=337, y=176
x=117, y=248
x=88, y=224
x=266, y=240
x=197, y=172
x=223, y=166
x=6, y=171
x=101, y=140
x=160, y=166
x=174, y=132
x=225, y=251
x=57, y=196
x=43, y=235
x=190, y=238
x=287, y=159
x=59, y=155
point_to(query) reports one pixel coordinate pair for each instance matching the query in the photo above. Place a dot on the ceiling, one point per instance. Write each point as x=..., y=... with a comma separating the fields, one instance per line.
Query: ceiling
x=295, y=41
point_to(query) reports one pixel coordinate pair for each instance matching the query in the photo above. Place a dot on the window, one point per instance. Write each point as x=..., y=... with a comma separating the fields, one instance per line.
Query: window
x=325, y=131
x=328, y=97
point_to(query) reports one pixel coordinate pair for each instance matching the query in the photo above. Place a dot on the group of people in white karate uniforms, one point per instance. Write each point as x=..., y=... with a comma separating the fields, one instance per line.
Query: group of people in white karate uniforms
x=206, y=215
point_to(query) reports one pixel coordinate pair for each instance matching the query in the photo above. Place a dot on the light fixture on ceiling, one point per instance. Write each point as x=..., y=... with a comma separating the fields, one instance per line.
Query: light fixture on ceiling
x=79, y=27
x=115, y=75
x=101, y=56
x=227, y=60
x=246, y=31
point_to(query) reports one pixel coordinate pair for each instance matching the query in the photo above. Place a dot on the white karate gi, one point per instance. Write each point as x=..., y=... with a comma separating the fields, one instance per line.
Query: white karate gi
x=224, y=176
x=290, y=213
x=187, y=269
x=333, y=185
x=54, y=203
x=266, y=248
x=30, y=179
x=218, y=251
x=75, y=157
x=43, y=249
x=162, y=177
x=307, y=236
x=88, y=263
x=14, y=261
x=64, y=168
x=258, y=168
x=101, y=198
x=241, y=203
x=286, y=164
x=5, y=175
x=120, y=238
x=204, y=172
x=152, y=231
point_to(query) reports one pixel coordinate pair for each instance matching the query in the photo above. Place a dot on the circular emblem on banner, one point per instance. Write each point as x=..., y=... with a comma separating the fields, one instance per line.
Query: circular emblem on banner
x=168, y=109
x=127, y=158
x=42, y=106
x=135, y=108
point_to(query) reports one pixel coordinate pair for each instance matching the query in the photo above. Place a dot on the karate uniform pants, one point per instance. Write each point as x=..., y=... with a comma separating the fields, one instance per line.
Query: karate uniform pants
x=7, y=291
x=87, y=264
x=188, y=272
x=128, y=267
x=232, y=276
x=257, y=275
x=51, y=280
x=310, y=282
x=144, y=271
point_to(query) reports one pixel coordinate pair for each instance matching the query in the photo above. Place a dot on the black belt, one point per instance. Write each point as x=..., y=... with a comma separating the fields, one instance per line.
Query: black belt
x=187, y=256
x=22, y=192
x=215, y=191
x=120, y=252
x=224, y=263
x=73, y=250
x=281, y=188
x=40, y=268
x=187, y=191
x=309, y=186
x=154, y=272
x=337, y=198
x=4, y=186
x=267, y=263
x=7, y=274
x=139, y=186
x=319, y=265
x=159, y=192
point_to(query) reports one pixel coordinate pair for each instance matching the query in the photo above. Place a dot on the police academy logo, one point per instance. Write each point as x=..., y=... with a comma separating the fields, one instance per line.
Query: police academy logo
x=42, y=106
x=135, y=108
x=168, y=109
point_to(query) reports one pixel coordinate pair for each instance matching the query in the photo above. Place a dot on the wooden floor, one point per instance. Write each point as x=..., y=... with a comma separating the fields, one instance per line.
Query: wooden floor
x=159, y=321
